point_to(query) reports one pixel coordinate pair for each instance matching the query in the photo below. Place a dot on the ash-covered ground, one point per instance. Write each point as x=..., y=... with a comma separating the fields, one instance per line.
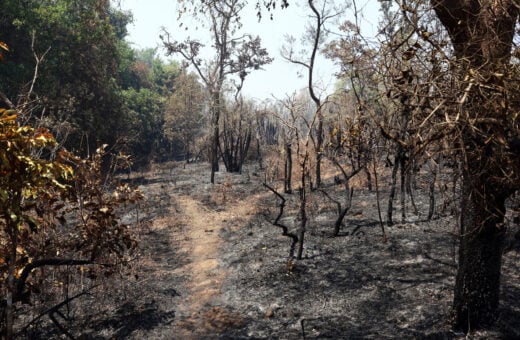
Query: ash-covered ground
x=213, y=266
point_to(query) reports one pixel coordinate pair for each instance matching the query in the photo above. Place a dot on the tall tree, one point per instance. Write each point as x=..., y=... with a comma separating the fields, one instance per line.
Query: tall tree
x=147, y=84
x=481, y=33
x=235, y=55
x=316, y=33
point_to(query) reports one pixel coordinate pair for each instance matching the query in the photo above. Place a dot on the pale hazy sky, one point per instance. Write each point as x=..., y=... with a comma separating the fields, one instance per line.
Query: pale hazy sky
x=278, y=78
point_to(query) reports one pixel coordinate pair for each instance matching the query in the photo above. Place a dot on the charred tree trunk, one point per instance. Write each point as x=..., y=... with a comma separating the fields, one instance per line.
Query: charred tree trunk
x=285, y=229
x=288, y=169
x=402, y=168
x=302, y=210
x=411, y=183
x=259, y=153
x=344, y=210
x=215, y=138
x=477, y=286
x=349, y=193
x=236, y=140
x=393, y=184
x=401, y=160
x=319, y=148
x=385, y=238
x=369, y=178
x=302, y=213
x=431, y=193
x=319, y=114
x=482, y=34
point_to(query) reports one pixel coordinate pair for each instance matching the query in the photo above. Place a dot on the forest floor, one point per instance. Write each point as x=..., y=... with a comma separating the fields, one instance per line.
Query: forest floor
x=213, y=266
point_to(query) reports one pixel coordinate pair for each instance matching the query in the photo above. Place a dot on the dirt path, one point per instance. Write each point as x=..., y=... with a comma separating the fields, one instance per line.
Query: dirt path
x=202, y=244
x=200, y=312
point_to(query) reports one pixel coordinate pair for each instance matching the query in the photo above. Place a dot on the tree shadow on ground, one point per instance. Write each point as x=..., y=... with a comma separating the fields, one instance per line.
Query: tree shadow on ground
x=127, y=319
x=131, y=317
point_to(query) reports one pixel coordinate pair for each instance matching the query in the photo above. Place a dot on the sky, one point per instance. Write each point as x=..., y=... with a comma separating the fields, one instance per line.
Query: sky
x=279, y=78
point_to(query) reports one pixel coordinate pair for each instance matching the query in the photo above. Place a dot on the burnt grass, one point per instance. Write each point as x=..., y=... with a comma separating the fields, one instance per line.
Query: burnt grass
x=354, y=286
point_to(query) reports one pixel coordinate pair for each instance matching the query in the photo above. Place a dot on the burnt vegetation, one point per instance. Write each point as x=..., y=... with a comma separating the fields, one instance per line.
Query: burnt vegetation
x=143, y=198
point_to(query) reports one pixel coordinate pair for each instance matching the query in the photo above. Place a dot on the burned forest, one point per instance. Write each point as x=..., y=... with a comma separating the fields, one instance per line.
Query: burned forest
x=267, y=170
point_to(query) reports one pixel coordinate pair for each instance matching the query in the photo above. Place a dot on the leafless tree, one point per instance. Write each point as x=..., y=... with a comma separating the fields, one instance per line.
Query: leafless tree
x=316, y=34
x=300, y=124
